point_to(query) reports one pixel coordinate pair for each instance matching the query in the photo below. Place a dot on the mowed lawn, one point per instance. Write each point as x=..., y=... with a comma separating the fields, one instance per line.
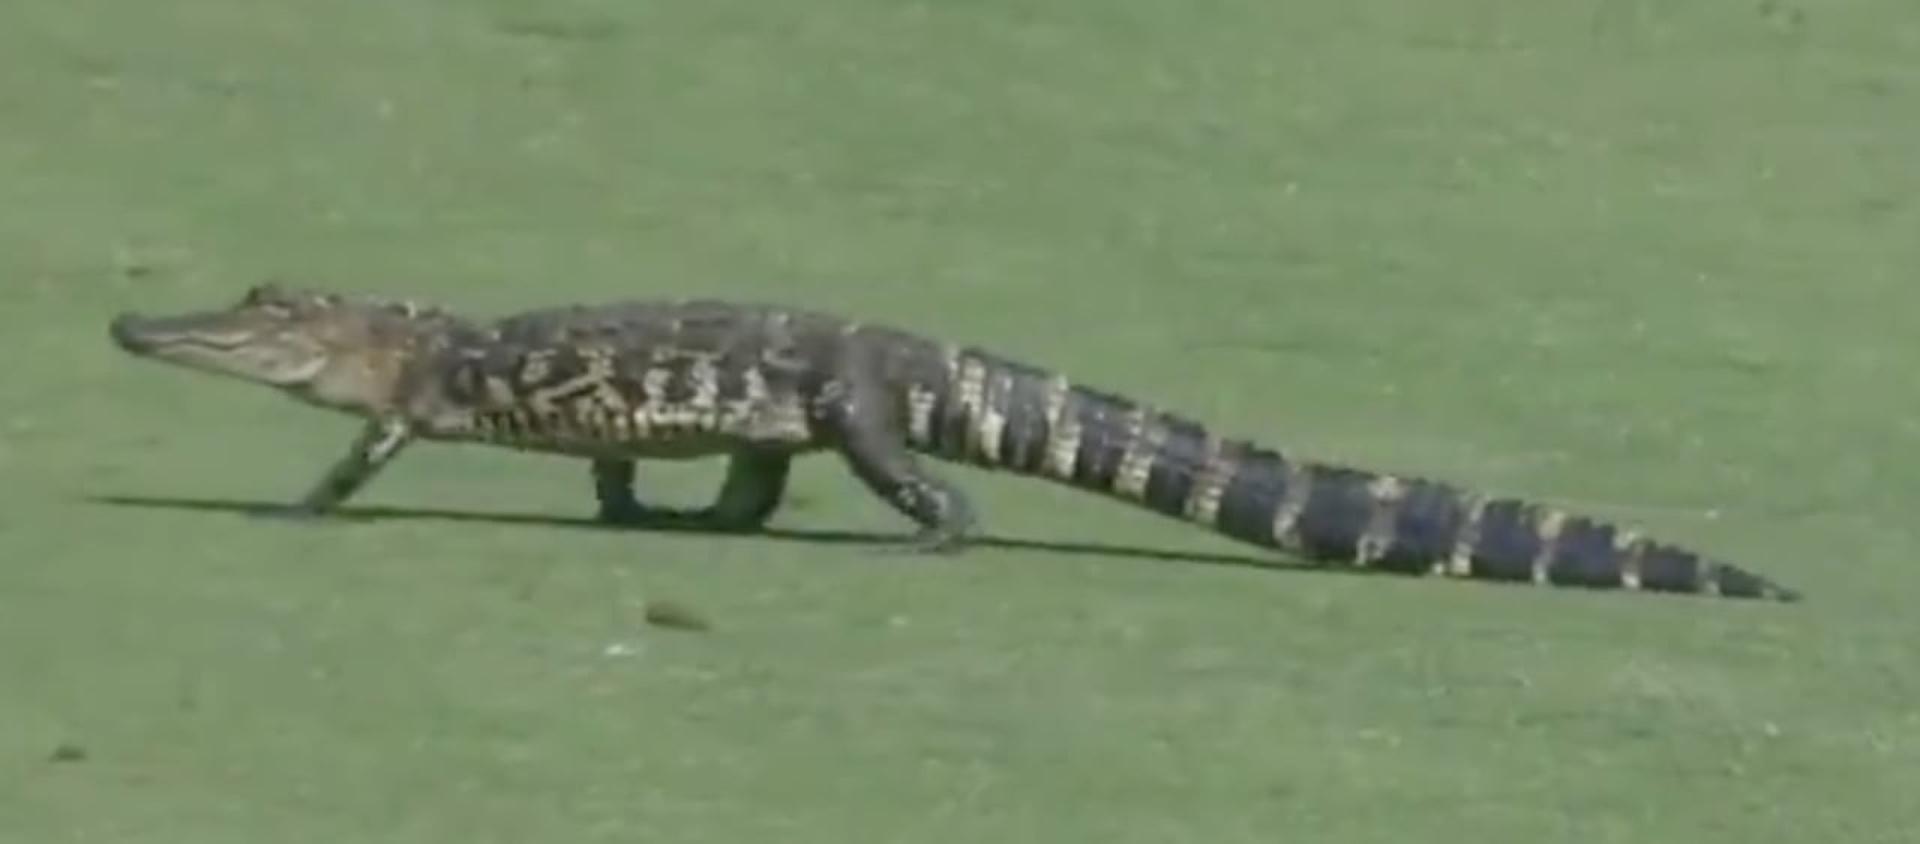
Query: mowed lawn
x=1657, y=260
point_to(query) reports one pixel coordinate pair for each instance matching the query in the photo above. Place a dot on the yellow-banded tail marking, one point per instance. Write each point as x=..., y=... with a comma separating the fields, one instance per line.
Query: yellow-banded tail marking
x=1459, y=562
x=920, y=406
x=947, y=419
x=1023, y=446
x=1142, y=437
x=1203, y=500
x=1102, y=423
x=1628, y=548
x=1180, y=457
x=1587, y=552
x=1415, y=525
x=1333, y=519
x=1709, y=582
x=1385, y=493
x=1254, y=494
x=1063, y=429
x=1548, y=529
x=1297, y=488
x=969, y=397
x=1506, y=541
x=992, y=416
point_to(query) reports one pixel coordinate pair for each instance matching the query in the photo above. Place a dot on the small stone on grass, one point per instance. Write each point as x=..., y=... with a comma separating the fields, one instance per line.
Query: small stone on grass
x=675, y=616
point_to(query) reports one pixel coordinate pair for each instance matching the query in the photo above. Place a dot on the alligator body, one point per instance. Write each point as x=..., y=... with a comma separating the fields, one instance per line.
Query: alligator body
x=762, y=385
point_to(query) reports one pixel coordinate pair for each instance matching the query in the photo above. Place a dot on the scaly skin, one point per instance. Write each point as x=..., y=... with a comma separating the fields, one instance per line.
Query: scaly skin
x=762, y=385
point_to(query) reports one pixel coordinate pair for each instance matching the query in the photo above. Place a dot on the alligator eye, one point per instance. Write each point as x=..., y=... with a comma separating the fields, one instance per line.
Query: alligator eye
x=268, y=295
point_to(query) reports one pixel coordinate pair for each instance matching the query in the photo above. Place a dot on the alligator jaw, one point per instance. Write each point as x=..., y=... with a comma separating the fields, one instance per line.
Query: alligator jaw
x=143, y=335
x=222, y=343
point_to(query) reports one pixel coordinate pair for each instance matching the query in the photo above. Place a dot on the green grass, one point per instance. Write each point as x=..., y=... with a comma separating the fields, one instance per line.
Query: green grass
x=1652, y=258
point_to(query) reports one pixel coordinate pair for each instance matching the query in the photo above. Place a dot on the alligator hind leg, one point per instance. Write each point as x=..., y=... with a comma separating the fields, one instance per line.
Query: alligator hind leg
x=755, y=483
x=875, y=449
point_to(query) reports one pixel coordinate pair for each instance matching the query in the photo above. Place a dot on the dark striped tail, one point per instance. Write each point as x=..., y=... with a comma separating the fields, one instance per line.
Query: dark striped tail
x=997, y=414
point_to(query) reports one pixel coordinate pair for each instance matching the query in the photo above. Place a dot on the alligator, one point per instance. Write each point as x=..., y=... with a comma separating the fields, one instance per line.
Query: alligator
x=761, y=384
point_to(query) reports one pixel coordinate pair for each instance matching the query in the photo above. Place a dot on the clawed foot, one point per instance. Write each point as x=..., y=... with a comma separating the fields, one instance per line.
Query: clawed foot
x=926, y=543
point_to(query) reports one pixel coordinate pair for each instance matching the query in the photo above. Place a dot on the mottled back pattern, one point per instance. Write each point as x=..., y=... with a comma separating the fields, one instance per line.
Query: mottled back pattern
x=641, y=380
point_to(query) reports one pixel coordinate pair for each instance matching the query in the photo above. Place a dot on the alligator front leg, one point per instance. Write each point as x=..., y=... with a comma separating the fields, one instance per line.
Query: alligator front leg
x=755, y=483
x=379, y=442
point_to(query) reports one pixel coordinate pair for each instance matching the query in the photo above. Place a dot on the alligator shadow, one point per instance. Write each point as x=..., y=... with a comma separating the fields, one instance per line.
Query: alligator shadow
x=822, y=537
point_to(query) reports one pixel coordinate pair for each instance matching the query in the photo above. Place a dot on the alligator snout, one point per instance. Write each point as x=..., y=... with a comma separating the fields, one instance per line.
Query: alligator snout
x=127, y=332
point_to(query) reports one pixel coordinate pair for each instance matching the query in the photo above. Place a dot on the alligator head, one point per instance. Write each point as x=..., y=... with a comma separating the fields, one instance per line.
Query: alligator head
x=332, y=350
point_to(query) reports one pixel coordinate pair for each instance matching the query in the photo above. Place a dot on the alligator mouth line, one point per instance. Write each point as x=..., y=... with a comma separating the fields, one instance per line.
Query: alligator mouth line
x=140, y=334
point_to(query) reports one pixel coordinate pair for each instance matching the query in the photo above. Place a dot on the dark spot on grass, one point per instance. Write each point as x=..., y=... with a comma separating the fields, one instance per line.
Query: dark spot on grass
x=675, y=616
x=68, y=752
